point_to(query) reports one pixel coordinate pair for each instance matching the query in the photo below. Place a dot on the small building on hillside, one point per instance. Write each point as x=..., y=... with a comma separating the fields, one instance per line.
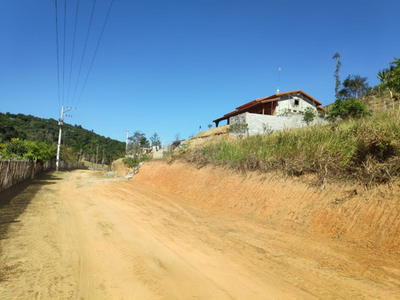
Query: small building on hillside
x=293, y=102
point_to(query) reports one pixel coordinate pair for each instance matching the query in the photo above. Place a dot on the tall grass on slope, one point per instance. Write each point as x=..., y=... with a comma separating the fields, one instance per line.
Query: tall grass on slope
x=367, y=150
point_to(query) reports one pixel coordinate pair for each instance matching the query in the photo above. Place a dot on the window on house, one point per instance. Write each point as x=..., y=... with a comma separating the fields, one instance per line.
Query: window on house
x=296, y=101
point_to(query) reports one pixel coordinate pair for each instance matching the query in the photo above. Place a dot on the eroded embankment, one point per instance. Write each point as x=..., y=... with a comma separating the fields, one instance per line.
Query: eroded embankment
x=367, y=218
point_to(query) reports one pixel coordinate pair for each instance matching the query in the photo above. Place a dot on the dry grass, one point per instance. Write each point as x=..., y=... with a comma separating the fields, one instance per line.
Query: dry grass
x=366, y=150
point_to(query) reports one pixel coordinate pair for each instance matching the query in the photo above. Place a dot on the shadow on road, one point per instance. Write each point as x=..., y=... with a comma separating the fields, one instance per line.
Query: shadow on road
x=15, y=199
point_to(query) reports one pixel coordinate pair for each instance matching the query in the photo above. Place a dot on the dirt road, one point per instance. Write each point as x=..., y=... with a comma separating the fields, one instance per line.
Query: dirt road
x=83, y=236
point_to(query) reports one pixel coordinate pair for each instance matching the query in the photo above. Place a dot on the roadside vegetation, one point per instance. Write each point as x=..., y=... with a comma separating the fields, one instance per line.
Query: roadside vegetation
x=137, y=148
x=357, y=145
x=28, y=137
x=365, y=149
x=133, y=162
x=29, y=150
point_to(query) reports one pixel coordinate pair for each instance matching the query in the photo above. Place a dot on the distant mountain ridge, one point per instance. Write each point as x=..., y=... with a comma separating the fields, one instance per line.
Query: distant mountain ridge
x=28, y=127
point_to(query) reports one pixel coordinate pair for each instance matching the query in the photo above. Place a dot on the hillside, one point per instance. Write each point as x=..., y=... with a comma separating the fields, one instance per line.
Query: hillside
x=77, y=140
x=379, y=103
x=178, y=232
x=363, y=150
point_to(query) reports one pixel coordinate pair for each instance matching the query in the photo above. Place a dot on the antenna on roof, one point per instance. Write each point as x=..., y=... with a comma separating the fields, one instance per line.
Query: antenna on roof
x=279, y=79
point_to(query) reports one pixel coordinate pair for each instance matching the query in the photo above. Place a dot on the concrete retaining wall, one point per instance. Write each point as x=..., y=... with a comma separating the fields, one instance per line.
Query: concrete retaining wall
x=260, y=124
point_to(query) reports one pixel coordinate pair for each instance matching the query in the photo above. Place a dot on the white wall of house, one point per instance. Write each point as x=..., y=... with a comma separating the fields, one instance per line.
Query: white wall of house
x=295, y=103
x=260, y=124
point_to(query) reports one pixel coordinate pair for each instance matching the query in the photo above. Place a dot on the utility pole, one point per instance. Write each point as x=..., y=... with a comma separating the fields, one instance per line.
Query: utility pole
x=61, y=123
x=97, y=157
x=127, y=136
x=102, y=160
x=279, y=79
x=92, y=157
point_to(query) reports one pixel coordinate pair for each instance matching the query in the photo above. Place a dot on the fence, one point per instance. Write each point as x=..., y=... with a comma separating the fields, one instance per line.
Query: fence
x=15, y=171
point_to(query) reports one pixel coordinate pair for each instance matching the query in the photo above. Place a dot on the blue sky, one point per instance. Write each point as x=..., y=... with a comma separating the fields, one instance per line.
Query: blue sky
x=172, y=66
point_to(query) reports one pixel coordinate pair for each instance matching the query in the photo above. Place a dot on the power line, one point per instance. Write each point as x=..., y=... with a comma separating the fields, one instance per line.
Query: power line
x=65, y=26
x=95, y=52
x=58, y=60
x=79, y=88
x=73, y=48
x=84, y=50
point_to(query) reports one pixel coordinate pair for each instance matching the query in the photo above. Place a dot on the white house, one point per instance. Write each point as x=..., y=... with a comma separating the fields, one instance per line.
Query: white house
x=293, y=102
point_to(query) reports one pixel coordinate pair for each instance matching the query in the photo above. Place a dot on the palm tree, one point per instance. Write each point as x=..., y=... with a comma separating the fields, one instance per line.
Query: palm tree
x=385, y=76
x=354, y=86
x=360, y=85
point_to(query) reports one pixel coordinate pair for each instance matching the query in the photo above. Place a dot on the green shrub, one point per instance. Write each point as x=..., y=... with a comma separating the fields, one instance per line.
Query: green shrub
x=366, y=149
x=239, y=129
x=348, y=108
x=309, y=115
x=15, y=147
x=132, y=162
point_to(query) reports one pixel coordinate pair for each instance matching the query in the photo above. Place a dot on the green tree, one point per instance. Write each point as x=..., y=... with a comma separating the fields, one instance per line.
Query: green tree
x=337, y=74
x=348, y=108
x=384, y=77
x=354, y=86
x=15, y=147
x=78, y=148
x=138, y=140
x=7, y=129
x=309, y=115
x=394, y=79
x=39, y=151
x=27, y=127
x=31, y=150
x=144, y=142
x=155, y=140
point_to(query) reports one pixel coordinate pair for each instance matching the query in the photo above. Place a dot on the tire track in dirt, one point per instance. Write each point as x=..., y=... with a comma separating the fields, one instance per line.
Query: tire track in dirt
x=278, y=258
x=35, y=235
x=151, y=238
x=294, y=209
x=155, y=268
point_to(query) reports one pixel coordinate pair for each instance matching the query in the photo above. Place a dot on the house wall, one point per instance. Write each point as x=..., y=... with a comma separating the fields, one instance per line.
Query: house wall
x=287, y=104
x=260, y=124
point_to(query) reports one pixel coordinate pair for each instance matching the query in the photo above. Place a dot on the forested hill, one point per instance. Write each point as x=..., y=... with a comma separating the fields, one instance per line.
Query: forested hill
x=75, y=138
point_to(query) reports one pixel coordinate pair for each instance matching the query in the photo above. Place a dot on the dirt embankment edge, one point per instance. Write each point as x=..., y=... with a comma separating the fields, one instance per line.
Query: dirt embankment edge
x=366, y=218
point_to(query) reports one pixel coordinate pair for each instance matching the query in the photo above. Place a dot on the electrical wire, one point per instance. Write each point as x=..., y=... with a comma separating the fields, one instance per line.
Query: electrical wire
x=95, y=52
x=58, y=59
x=84, y=50
x=65, y=27
x=61, y=80
x=73, y=49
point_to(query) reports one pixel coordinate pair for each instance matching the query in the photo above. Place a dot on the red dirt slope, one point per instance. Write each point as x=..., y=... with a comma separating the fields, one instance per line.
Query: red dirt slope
x=351, y=214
